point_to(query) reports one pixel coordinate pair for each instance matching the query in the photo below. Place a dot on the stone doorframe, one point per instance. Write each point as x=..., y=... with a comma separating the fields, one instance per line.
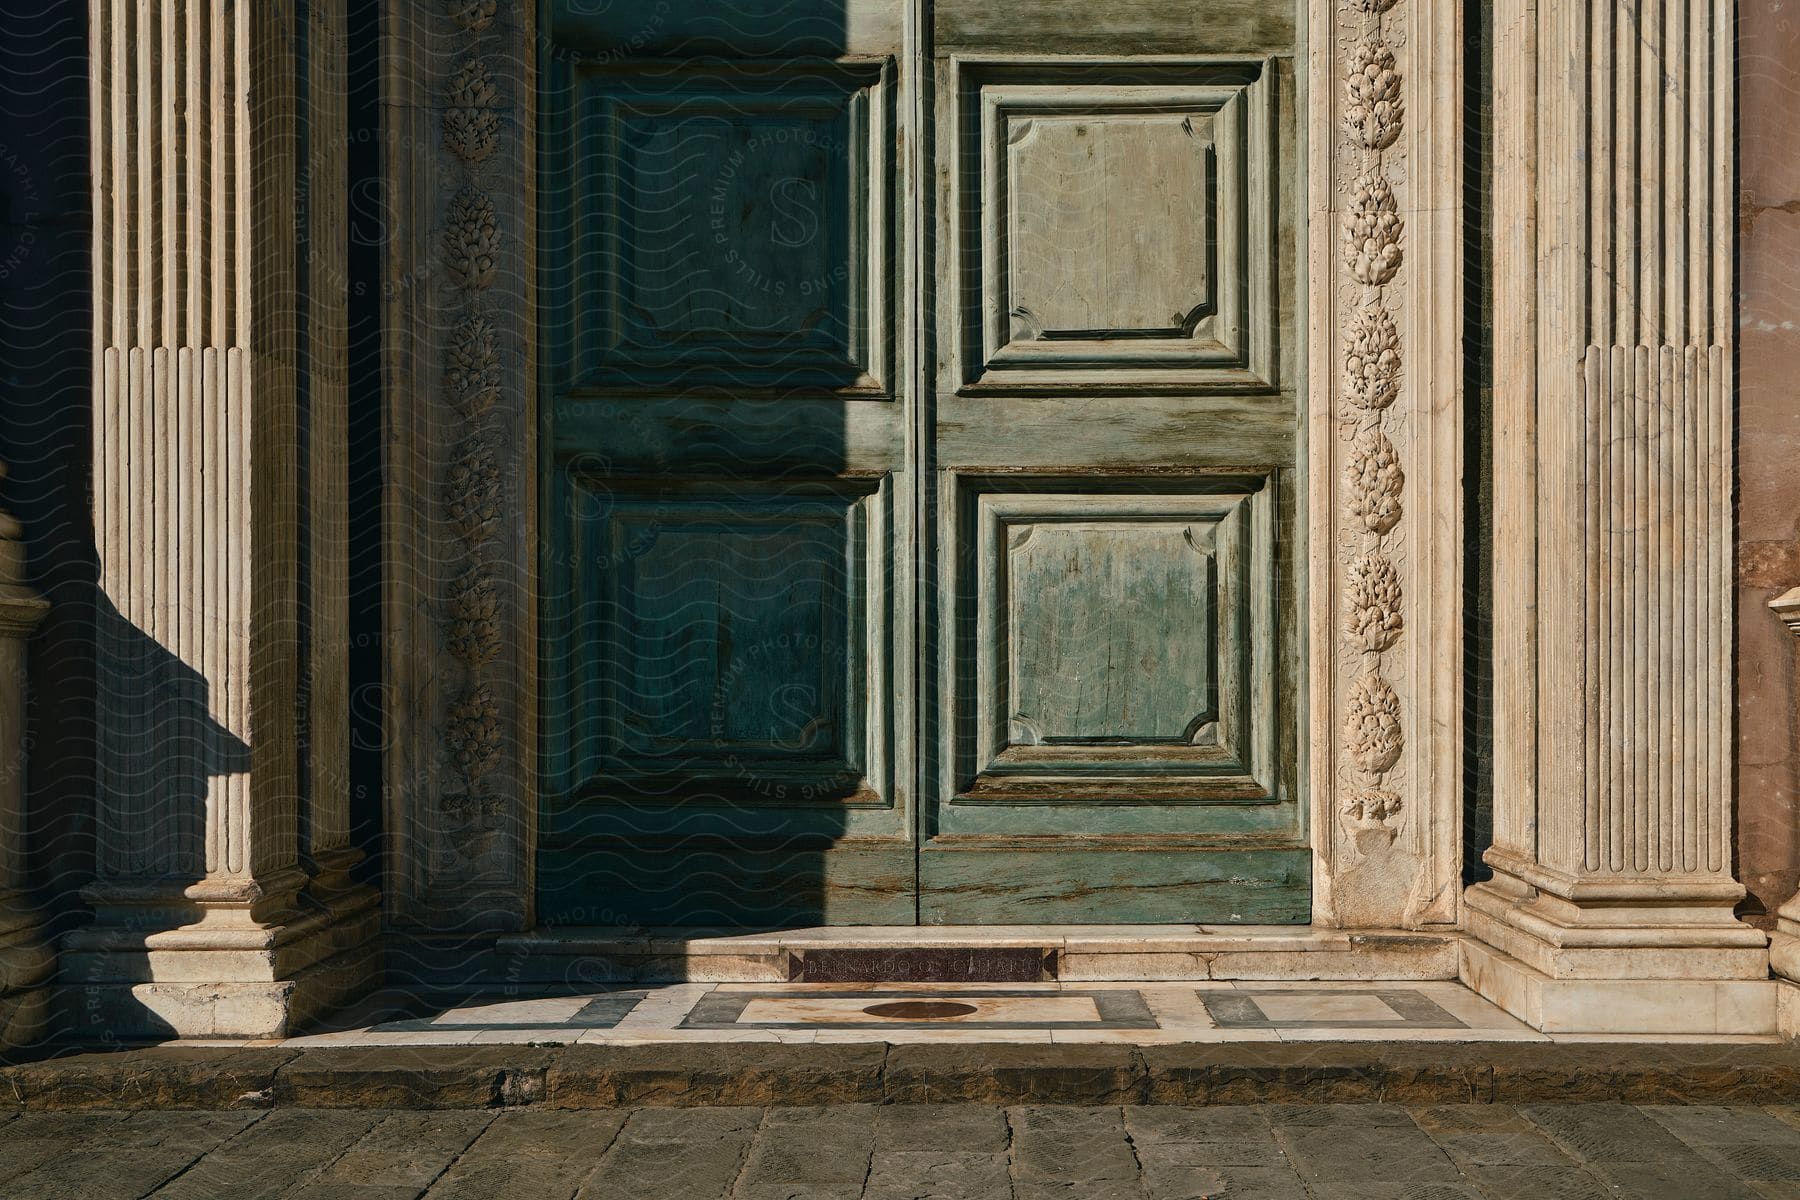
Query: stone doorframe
x=1384, y=429
x=1613, y=431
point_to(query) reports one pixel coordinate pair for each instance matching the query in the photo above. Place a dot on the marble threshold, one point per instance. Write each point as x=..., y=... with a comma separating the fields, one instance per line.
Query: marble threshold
x=990, y=953
x=900, y=1014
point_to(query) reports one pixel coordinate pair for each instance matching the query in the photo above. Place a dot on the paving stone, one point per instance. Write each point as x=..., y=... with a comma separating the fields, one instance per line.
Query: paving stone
x=1716, y=1125
x=1064, y=1145
x=968, y=1128
x=1110, y=1189
x=809, y=1154
x=1538, y=1183
x=937, y=1175
x=1404, y=1191
x=1603, y=1133
x=675, y=1154
x=1672, y=1180
x=1505, y=1147
x=523, y=1154
x=1759, y=1161
x=129, y=1158
x=1267, y=1182
x=32, y=1138
x=402, y=1153
x=1178, y=1124
x=268, y=1157
x=1382, y=1154
x=1452, y=1119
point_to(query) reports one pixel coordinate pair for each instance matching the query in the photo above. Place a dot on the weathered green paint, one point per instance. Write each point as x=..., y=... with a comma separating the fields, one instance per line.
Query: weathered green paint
x=920, y=505
x=1204, y=884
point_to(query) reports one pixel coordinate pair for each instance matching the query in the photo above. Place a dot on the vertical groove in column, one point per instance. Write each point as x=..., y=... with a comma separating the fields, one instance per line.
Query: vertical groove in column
x=1645, y=599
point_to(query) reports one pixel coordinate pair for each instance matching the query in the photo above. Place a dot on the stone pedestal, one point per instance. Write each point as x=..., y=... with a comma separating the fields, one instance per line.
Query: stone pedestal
x=26, y=963
x=223, y=902
x=1611, y=906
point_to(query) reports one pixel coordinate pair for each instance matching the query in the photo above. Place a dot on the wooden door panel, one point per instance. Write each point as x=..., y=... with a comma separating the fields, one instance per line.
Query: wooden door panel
x=1122, y=645
x=1118, y=216
x=740, y=216
x=1114, y=640
x=729, y=588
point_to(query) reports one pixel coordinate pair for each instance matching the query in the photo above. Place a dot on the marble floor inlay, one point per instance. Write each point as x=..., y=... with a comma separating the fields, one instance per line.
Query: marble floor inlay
x=900, y=1012
x=986, y=1009
x=1327, y=1008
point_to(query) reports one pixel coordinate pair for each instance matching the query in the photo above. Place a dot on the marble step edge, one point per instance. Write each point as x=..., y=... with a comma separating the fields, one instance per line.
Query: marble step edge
x=1082, y=939
x=676, y=1075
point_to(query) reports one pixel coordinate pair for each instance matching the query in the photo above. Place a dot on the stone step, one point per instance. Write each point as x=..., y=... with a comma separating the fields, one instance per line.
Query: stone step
x=678, y=1075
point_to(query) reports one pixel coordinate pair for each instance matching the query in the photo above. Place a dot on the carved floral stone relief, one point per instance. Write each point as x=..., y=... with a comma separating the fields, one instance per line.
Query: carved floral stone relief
x=1372, y=602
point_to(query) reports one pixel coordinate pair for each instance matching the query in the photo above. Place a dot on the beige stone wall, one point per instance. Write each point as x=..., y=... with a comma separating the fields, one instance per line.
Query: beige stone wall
x=1768, y=559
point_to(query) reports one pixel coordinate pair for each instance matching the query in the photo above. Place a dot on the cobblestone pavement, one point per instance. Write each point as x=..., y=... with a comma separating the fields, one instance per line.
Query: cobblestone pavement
x=913, y=1152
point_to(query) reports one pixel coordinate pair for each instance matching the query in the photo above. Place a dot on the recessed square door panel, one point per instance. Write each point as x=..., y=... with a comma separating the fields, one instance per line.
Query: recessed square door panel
x=1117, y=216
x=735, y=226
x=1121, y=644
x=725, y=643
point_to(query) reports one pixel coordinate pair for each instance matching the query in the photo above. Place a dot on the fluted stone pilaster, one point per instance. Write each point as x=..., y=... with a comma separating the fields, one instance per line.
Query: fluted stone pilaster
x=1613, y=637
x=222, y=901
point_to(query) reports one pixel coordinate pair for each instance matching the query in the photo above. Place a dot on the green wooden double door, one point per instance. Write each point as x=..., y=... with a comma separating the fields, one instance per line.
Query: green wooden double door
x=920, y=526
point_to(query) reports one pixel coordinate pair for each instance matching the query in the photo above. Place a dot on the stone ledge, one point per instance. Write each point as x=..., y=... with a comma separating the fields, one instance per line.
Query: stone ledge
x=706, y=1074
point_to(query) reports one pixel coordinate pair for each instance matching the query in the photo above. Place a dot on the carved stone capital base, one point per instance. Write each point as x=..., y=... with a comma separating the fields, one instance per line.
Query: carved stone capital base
x=226, y=975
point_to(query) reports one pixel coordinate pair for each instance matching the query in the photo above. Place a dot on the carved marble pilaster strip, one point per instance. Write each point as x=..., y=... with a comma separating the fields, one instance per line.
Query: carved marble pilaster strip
x=1384, y=447
x=461, y=491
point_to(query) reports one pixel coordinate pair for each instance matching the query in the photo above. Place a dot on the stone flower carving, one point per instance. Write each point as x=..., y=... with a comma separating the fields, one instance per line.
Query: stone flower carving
x=1373, y=106
x=473, y=377
x=473, y=16
x=475, y=617
x=1372, y=359
x=1372, y=734
x=1375, y=481
x=472, y=239
x=473, y=492
x=474, y=733
x=1372, y=804
x=1372, y=619
x=471, y=126
x=1372, y=234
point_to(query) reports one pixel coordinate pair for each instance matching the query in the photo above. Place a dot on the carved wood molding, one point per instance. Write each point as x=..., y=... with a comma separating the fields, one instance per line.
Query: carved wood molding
x=1385, y=461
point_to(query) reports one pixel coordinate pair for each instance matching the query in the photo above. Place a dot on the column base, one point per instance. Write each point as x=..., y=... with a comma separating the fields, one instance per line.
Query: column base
x=27, y=969
x=1616, y=956
x=1722, y=1007
x=224, y=976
